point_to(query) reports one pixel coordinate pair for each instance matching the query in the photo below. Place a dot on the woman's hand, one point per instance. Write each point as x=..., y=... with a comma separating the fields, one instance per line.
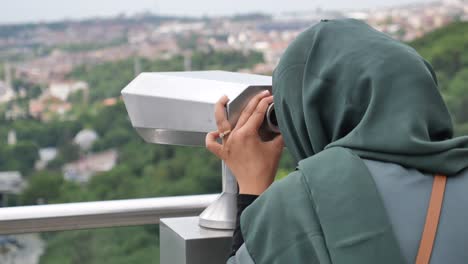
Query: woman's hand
x=252, y=161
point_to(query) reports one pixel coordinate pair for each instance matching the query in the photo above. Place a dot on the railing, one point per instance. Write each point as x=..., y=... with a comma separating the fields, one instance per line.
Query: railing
x=70, y=216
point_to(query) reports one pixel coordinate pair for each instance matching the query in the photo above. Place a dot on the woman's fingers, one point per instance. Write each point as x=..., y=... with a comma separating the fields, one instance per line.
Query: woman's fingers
x=220, y=115
x=213, y=145
x=256, y=119
x=250, y=108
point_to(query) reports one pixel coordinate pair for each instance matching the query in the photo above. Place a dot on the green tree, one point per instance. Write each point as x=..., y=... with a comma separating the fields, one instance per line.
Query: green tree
x=110, y=245
x=227, y=60
x=445, y=49
x=69, y=151
x=50, y=134
x=118, y=183
x=32, y=90
x=457, y=95
x=42, y=186
x=108, y=79
x=21, y=157
x=115, y=138
x=2, y=72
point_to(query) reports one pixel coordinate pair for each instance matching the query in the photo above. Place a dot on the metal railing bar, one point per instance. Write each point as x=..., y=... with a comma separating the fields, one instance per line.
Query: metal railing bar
x=71, y=216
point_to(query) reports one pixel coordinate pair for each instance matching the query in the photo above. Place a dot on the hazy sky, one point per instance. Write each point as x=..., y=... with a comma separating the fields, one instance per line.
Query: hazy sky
x=46, y=10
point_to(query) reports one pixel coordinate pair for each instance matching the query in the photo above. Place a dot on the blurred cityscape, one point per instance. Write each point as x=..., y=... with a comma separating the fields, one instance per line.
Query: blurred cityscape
x=46, y=53
x=66, y=76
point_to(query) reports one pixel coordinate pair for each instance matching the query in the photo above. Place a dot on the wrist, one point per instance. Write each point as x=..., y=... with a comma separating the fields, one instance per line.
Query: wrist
x=253, y=189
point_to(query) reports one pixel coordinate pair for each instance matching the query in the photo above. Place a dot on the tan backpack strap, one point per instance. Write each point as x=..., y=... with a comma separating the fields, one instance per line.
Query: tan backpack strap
x=432, y=220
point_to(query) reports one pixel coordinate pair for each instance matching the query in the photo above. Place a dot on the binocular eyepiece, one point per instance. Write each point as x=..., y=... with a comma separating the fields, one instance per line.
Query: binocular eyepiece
x=269, y=128
x=271, y=123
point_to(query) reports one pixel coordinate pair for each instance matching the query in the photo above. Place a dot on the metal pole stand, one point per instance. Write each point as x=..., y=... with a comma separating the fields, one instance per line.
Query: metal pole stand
x=221, y=214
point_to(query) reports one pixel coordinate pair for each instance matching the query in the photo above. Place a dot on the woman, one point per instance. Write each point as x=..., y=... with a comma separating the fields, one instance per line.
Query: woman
x=362, y=115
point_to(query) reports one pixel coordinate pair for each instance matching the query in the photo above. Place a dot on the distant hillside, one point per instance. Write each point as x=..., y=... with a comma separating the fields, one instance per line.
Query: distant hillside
x=13, y=30
x=447, y=50
x=105, y=82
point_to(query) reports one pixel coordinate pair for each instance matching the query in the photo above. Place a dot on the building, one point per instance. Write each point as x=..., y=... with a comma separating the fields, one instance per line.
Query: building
x=47, y=105
x=15, y=112
x=109, y=101
x=45, y=156
x=11, y=183
x=6, y=90
x=6, y=93
x=83, y=169
x=62, y=90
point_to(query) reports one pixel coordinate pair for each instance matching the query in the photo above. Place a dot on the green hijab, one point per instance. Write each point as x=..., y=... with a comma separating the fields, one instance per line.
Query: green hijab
x=344, y=91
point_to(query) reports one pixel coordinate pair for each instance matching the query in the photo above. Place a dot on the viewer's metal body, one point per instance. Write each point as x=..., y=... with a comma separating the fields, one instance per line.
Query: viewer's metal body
x=177, y=108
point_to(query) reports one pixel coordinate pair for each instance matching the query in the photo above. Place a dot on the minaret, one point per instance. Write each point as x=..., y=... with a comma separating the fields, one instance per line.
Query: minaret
x=7, y=72
x=187, y=61
x=9, y=93
x=85, y=98
x=136, y=66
